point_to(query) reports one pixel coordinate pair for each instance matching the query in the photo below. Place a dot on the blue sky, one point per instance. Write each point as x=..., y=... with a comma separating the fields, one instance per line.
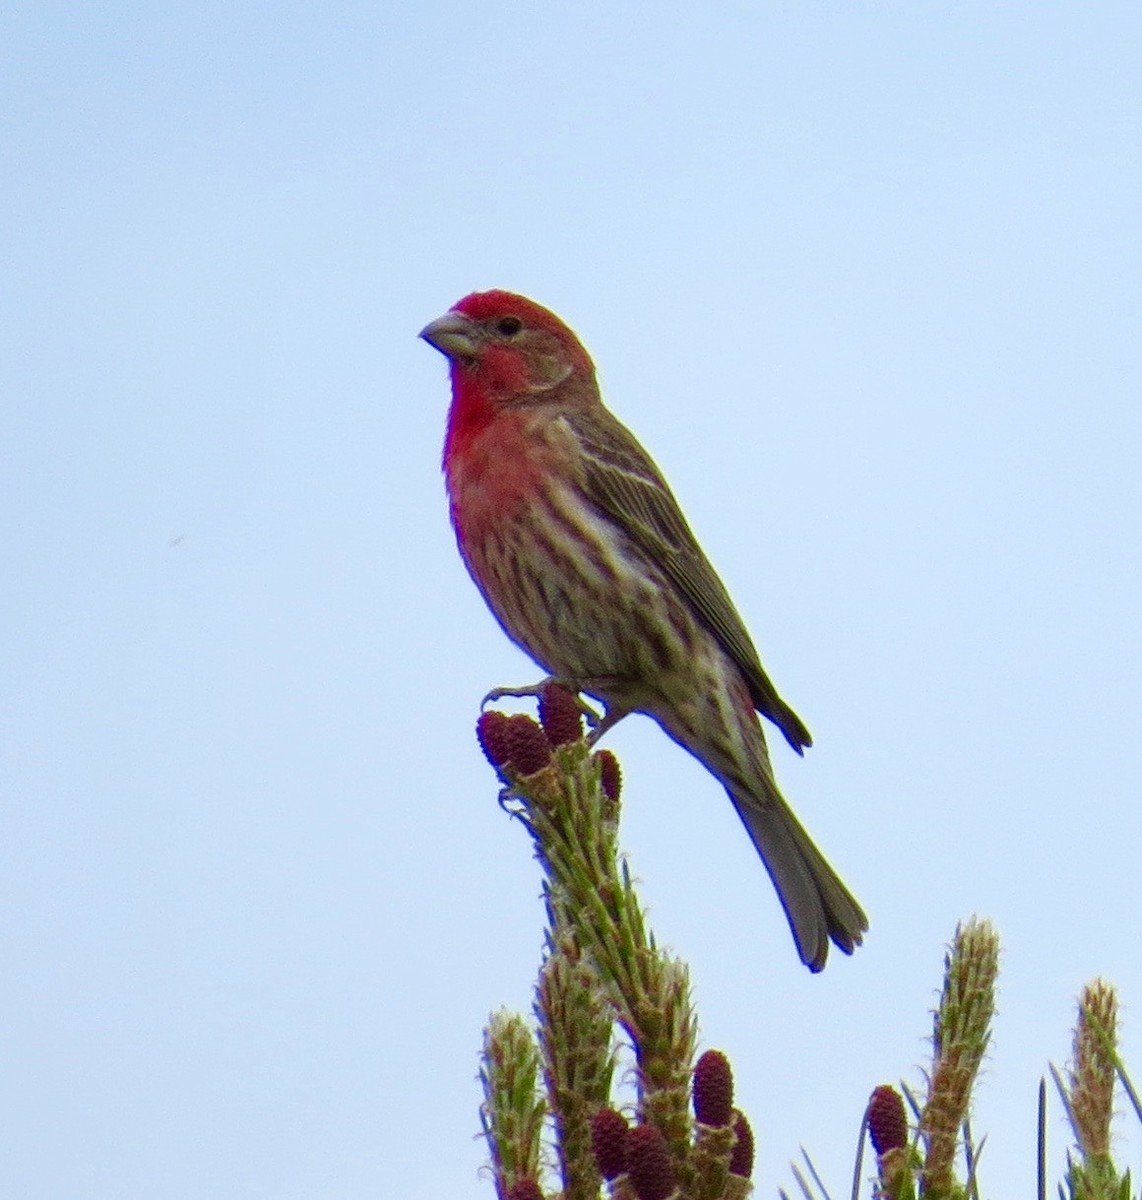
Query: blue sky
x=865, y=279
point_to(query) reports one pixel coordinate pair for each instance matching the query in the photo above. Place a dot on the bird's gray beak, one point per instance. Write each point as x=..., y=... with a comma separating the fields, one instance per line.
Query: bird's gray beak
x=453, y=334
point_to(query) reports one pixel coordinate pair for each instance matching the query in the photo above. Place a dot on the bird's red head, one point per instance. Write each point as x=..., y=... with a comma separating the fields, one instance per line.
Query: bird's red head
x=507, y=353
x=506, y=348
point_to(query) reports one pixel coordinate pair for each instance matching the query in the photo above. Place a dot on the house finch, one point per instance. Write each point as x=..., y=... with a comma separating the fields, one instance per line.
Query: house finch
x=586, y=560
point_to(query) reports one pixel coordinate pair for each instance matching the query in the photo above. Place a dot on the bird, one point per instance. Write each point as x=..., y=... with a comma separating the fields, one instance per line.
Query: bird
x=585, y=558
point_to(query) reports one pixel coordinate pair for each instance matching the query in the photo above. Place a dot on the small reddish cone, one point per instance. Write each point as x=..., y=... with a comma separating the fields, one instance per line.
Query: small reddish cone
x=560, y=715
x=530, y=750
x=713, y=1089
x=582, y=553
x=648, y=1163
x=515, y=742
x=887, y=1121
x=741, y=1161
x=611, y=774
x=609, y=1142
x=494, y=738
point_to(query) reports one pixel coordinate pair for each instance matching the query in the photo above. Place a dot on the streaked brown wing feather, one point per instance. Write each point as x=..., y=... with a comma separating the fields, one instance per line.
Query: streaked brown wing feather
x=621, y=479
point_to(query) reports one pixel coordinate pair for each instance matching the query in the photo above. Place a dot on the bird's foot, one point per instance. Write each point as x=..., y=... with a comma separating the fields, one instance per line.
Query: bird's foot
x=594, y=720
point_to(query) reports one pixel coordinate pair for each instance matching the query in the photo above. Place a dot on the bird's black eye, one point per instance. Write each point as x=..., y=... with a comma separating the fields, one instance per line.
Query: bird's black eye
x=509, y=326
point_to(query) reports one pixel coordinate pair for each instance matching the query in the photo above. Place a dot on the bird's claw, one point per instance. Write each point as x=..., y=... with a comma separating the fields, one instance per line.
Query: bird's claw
x=506, y=796
x=500, y=692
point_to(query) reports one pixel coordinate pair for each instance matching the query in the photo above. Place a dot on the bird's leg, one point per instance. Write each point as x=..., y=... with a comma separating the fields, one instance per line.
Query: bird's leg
x=613, y=715
x=536, y=690
x=616, y=705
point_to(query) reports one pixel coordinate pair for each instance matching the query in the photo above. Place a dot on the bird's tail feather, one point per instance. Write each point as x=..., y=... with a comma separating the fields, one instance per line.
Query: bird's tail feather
x=817, y=904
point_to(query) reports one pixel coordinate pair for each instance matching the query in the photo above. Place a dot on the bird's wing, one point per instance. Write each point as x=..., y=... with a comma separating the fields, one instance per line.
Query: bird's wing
x=621, y=479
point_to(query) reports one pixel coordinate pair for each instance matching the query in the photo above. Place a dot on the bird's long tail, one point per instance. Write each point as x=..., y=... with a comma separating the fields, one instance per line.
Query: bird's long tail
x=817, y=904
x=720, y=728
